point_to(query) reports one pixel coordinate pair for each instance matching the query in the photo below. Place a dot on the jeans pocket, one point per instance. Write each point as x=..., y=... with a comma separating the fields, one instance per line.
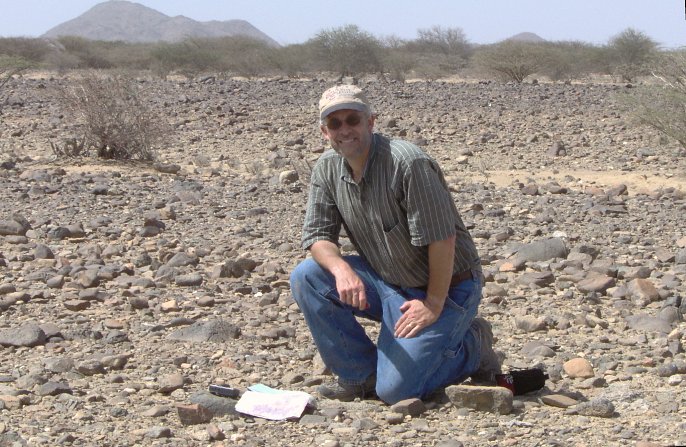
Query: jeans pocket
x=466, y=295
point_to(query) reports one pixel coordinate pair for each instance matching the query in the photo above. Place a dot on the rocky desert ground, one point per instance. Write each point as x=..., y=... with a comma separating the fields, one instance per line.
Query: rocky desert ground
x=126, y=288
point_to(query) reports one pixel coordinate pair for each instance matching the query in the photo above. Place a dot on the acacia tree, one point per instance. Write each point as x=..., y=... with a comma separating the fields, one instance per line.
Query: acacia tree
x=630, y=52
x=447, y=41
x=347, y=50
x=397, y=60
x=440, y=50
x=510, y=60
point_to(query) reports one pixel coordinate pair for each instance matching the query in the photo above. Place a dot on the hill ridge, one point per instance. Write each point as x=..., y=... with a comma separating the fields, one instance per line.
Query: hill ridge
x=123, y=20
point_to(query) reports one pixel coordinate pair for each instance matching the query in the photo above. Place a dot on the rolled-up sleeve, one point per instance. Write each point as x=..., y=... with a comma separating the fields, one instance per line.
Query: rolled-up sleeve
x=430, y=208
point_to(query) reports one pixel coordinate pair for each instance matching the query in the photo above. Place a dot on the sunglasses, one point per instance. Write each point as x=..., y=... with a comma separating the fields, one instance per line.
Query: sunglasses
x=351, y=120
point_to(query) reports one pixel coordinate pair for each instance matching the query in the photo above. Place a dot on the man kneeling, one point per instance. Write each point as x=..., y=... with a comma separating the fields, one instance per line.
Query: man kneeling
x=418, y=271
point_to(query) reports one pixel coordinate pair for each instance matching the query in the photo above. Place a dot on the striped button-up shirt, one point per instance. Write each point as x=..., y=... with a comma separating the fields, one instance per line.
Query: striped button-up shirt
x=401, y=205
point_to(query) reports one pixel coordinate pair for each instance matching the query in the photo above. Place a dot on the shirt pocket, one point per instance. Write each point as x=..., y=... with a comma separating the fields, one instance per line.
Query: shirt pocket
x=397, y=236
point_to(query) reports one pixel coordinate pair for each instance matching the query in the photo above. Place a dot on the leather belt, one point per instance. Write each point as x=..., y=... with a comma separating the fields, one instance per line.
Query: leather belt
x=456, y=279
x=459, y=277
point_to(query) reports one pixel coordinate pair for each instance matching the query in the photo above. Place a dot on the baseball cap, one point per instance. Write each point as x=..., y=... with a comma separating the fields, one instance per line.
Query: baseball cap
x=343, y=97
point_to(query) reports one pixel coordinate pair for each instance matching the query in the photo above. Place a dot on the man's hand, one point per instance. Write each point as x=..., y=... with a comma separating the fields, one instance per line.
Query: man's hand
x=348, y=283
x=350, y=288
x=417, y=315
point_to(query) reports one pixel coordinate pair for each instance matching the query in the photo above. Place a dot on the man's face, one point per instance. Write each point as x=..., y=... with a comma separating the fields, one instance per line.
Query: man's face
x=349, y=132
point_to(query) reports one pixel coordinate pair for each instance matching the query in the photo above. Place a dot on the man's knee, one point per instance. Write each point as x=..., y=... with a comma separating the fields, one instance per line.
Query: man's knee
x=305, y=274
x=392, y=391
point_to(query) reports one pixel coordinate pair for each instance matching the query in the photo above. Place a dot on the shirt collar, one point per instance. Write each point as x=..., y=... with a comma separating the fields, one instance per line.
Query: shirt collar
x=346, y=171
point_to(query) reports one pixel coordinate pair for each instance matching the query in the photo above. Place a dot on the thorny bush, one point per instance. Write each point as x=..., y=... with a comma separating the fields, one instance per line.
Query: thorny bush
x=117, y=121
x=662, y=104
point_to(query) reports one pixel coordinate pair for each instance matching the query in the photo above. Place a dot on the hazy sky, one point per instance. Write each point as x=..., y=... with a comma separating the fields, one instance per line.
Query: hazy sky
x=483, y=21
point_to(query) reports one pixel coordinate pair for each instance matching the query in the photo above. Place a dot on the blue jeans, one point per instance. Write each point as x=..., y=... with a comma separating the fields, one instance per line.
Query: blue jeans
x=446, y=352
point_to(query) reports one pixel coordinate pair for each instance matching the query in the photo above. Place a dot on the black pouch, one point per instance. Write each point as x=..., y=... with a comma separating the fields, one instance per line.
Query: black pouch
x=522, y=381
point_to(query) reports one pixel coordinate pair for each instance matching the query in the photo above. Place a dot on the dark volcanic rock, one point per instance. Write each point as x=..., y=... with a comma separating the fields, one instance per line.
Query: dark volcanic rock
x=216, y=331
x=29, y=334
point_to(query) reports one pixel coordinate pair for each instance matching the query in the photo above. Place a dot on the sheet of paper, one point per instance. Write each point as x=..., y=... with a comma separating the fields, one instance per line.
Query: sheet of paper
x=261, y=388
x=273, y=406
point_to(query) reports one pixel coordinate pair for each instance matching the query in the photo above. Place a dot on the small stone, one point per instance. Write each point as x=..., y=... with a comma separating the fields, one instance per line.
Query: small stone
x=138, y=302
x=313, y=419
x=14, y=402
x=559, y=400
x=599, y=407
x=292, y=378
x=648, y=323
x=215, y=433
x=189, y=280
x=413, y=407
x=675, y=380
x=170, y=383
x=578, y=368
x=158, y=433
x=170, y=306
x=156, y=411
x=596, y=282
x=43, y=252
x=206, y=301
x=642, y=291
x=55, y=282
x=394, y=418
x=7, y=288
x=90, y=367
x=29, y=335
x=53, y=389
x=530, y=323
x=193, y=414
x=481, y=398
x=167, y=168
x=288, y=177
x=77, y=305
x=667, y=370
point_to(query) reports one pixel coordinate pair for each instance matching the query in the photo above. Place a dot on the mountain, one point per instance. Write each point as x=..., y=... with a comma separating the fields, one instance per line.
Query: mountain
x=527, y=37
x=119, y=20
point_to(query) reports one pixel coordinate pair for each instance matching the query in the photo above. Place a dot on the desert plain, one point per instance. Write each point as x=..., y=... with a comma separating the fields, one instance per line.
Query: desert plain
x=127, y=288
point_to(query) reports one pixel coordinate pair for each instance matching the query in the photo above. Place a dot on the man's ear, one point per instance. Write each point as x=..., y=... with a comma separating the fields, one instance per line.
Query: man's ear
x=324, y=130
x=371, y=121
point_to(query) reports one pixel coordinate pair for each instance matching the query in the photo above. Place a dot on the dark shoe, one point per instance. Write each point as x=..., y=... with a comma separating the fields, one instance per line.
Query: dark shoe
x=489, y=365
x=346, y=392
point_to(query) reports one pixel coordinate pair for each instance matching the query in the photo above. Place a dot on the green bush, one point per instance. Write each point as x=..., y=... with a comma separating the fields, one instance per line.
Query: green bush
x=244, y=56
x=347, y=51
x=510, y=60
x=631, y=52
x=292, y=60
x=189, y=57
x=569, y=60
x=398, y=62
x=27, y=49
x=444, y=50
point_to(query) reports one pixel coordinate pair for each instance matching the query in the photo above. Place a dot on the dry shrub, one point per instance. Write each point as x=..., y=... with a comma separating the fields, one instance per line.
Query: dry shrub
x=662, y=106
x=70, y=147
x=28, y=49
x=117, y=121
x=9, y=67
